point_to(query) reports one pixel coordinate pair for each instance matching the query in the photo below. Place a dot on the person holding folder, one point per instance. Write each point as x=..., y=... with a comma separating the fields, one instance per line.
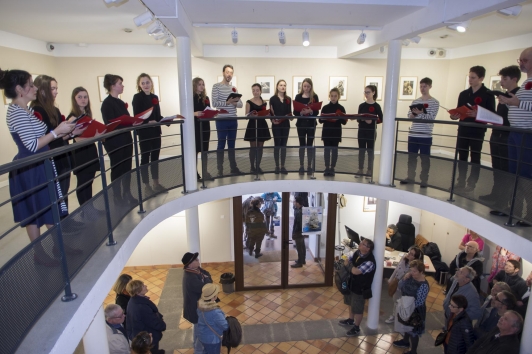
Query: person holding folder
x=306, y=128
x=280, y=105
x=257, y=131
x=367, y=129
x=332, y=131
x=202, y=129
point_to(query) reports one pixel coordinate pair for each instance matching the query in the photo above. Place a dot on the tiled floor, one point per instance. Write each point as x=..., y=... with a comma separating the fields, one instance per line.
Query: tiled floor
x=262, y=274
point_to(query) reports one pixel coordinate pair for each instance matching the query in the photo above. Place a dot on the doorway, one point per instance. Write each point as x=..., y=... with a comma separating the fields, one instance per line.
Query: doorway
x=269, y=261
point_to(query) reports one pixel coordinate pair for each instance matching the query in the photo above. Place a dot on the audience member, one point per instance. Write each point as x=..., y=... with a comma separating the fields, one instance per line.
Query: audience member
x=255, y=227
x=503, y=339
x=393, y=239
x=470, y=258
x=122, y=296
x=522, y=304
x=501, y=302
x=141, y=344
x=211, y=320
x=499, y=258
x=462, y=286
x=143, y=315
x=194, y=278
x=269, y=209
x=362, y=268
x=459, y=328
x=297, y=234
x=510, y=275
x=472, y=236
x=489, y=313
x=116, y=333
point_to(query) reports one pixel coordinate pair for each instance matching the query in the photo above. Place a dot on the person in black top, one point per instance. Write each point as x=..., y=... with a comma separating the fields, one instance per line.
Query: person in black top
x=119, y=147
x=257, y=131
x=280, y=105
x=202, y=128
x=331, y=134
x=297, y=234
x=306, y=128
x=469, y=138
x=510, y=76
x=149, y=138
x=367, y=130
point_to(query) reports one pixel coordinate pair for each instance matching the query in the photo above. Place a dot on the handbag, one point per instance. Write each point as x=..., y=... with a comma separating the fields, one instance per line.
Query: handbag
x=217, y=335
x=440, y=338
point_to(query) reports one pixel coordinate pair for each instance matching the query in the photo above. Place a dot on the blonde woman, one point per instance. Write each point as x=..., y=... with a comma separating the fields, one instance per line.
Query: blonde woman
x=306, y=128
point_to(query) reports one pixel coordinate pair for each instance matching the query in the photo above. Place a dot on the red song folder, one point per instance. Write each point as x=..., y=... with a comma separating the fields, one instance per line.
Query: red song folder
x=298, y=106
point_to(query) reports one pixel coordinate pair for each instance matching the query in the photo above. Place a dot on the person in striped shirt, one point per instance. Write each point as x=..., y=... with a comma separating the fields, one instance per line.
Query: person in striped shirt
x=520, y=116
x=420, y=135
x=226, y=129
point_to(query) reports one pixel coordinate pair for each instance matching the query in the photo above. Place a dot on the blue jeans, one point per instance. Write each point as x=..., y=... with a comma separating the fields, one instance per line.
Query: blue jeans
x=419, y=146
x=198, y=346
x=212, y=348
x=226, y=131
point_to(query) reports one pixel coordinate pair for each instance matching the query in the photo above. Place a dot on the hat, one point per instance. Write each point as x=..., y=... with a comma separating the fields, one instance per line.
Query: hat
x=209, y=291
x=189, y=258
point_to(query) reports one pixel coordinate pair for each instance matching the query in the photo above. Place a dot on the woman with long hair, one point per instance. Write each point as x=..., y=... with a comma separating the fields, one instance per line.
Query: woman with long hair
x=141, y=344
x=119, y=147
x=85, y=159
x=306, y=128
x=149, y=138
x=202, y=128
x=257, y=131
x=31, y=135
x=367, y=130
x=331, y=134
x=280, y=105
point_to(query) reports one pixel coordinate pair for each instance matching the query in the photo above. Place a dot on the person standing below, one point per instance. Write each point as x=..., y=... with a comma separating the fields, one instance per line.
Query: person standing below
x=270, y=210
x=331, y=134
x=510, y=76
x=393, y=239
x=472, y=236
x=194, y=278
x=520, y=116
x=462, y=286
x=491, y=308
x=504, y=339
x=420, y=134
x=367, y=130
x=122, y=296
x=211, y=320
x=510, y=275
x=362, y=269
x=255, y=227
x=226, y=129
x=460, y=330
x=470, y=258
x=257, y=131
x=522, y=303
x=280, y=105
x=116, y=333
x=306, y=128
x=498, y=260
x=297, y=234
x=470, y=139
x=202, y=128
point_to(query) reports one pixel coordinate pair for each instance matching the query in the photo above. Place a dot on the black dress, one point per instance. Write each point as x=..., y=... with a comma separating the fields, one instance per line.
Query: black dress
x=258, y=127
x=200, y=125
x=331, y=134
x=367, y=134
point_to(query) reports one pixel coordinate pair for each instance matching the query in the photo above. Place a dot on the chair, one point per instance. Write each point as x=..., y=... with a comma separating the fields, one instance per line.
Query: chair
x=407, y=231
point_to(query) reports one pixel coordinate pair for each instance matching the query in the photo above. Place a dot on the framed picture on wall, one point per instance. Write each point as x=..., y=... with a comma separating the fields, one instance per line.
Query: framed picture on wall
x=495, y=83
x=296, y=84
x=340, y=82
x=376, y=81
x=267, y=84
x=407, y=87
x=370, y=204
x=233, y=81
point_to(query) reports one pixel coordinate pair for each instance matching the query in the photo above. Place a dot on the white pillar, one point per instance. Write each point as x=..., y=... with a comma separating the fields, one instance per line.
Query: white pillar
x=193, y=235
x=526, y=339
x=95, y=339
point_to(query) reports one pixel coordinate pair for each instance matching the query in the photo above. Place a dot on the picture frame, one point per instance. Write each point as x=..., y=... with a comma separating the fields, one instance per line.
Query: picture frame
x=268, y=85
x=233, y=81
x=339, y=82
x=377, y=81
x=370, y=204
x=408, y=88
x=296, y=84
x=495, y=83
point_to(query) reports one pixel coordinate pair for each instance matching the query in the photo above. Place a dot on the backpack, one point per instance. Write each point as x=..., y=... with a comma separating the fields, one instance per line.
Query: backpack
x=233, y=336
x=341, y=277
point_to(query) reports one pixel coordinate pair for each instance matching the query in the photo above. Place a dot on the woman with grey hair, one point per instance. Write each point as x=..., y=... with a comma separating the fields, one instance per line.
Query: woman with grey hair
x=393, y=238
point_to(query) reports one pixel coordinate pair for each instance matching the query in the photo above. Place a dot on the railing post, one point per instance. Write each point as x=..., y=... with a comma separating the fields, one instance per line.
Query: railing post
x=111, y=241
x=395, y=152
x=203, y=163
x=517, y=170
x=455, y=163
x=183, y=160
x=314, y=150
x=137, y=165
x=50, y=175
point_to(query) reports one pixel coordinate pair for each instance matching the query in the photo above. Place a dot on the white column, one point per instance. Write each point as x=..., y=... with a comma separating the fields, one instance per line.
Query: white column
x=193, y=235
x=526, y=339
x=95, y=339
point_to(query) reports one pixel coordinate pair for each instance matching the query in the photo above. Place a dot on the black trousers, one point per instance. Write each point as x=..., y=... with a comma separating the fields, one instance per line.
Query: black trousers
x=121, y=160
x=330, y=150
x=255, y=242
x=499, y=162
x=84, y=186
x=465, y=145
x=306, y=139
x=301, y=249
x=150, y=148
x=366, y=142
x=280, y=140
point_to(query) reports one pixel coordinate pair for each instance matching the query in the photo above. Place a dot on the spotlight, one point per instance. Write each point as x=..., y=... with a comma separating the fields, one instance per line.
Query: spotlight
x=143, y=19
x=161, y=35
x=381, y=49
x=306, y=39
x=169, y=42
x=155, y=28
x=111, y=1
x=459, y=27
x=415, y=39
x=511, y=11
x=406, y=42
x=282, y=37
x=362, y=38
x=234, y=36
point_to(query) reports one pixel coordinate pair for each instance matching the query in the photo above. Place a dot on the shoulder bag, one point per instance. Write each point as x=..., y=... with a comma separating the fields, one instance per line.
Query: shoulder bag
x=213, y=331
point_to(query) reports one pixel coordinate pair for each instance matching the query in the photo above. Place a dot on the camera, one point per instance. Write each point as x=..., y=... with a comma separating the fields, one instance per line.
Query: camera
x=50, y=47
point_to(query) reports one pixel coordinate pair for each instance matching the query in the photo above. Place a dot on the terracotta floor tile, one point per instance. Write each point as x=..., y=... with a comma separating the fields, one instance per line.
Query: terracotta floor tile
x=284, y=347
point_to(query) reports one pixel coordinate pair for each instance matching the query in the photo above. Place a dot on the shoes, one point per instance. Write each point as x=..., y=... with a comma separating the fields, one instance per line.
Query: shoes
x=401, y=344
x=236, y=171
x=497, y=213
x=130, y=199
x=487, y=198
x=253, y=170
x=444, y=292
x=198, y=177
x=369, y=174
x=353, y=331
x=220, y=172
x=468, y=189
x=297, y=265
x=277, y=170
x=309, y=171
x=273, y=236
x=43, y=259
x=250, y=251
x=68, y=250
x=390, y=319
x=404, y=181
x=258, y=255
x=347, y=322
x=207, y=176
x=331, y=172
x=261, y=172
x=148, y=190
x=522, y=224
x=284, y=171
x=301, y=170
x=359, y=172
x=327, y=172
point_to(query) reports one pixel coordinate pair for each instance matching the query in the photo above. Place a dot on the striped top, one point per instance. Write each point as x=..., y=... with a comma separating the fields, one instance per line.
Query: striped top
x=220, y=92
x=28, y=127
x=521, y=117
x=424, y=130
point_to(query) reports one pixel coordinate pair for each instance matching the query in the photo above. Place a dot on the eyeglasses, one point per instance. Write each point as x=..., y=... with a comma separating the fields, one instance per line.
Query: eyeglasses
x=122, y=315
x=522, y=61
x=454, y=306
x=498, y=300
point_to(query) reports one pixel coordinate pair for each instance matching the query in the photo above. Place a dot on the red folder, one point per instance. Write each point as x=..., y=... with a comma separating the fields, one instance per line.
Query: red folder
x=127, y=121
x=462, y=111
x=97, y=127
x=171, y=118
x=298, y=106
x=263, y=113
x=146, y=114
x=208, y=114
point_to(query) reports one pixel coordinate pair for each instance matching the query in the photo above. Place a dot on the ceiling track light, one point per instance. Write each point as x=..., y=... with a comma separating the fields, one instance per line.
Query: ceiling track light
x=169, y=41
x=362, y=38
x=159, y=36
x=406, y=42
x=234, y=36
x=143, y=19
x=459, y=26
x=415, y=39
x=155, y=28
x=511, y=11
x=282, y=37
x=112, y=1
x=306, y=39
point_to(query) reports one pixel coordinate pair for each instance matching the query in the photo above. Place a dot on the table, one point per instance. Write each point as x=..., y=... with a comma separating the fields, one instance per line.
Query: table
x=395, y=256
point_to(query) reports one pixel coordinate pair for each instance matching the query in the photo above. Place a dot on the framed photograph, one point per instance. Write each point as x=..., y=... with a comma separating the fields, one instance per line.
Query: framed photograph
x=268, y=86
x=377, y=81
x=408, y=88
x=467, y=82
x=296, y=84
x=233, y=81
x=495, y=83
x=370, y=204
x=340, y=82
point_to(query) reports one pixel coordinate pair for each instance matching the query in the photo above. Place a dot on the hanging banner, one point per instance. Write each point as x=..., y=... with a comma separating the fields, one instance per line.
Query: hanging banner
x=312, y=219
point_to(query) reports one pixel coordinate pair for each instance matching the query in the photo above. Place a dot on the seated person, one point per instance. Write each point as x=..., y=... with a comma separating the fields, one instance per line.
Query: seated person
x=500, y=303
x=472, y=236
x=504, y=339
x=522, y=304
x=511, y=277
x=470, y=258
x=393, y=239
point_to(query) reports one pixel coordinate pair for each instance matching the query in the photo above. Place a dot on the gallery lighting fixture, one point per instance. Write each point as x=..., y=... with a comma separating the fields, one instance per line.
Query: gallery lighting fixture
x=161, y=35
x=282, y=37
x=459, y=27
x=143, y=19
x=112, y=1
x=155, y=28
x=168, y=42
x=406, y=42
x=362, y=38
x=234, y=36
x=511, y=11
x=306, y=39
x=415, y=39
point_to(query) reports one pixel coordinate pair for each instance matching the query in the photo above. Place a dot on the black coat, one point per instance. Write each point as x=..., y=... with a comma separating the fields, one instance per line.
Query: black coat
x=142, y=102
x=113, y=108
x=462, y=337
x=332, y=131
x=82, y=156
x=143, y=315
x=478, y=266
x=122, y=300
x=192, y=285
x=488, y=344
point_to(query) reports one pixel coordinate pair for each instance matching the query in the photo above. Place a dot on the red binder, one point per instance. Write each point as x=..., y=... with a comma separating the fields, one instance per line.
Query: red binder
x=97, y=127
x=298, y=106
x=126, y=120
x=461, y=111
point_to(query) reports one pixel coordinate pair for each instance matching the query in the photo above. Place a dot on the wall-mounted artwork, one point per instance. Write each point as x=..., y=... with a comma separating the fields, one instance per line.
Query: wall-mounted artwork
x=340, y=82
x=267, y=84
x=376, y=81
x=370, y=204
x=296, y=84
x=233, y=80
x=407, y=87
x=495, y=83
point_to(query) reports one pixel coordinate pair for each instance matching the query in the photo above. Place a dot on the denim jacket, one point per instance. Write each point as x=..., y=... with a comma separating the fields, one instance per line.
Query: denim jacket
x=209, y=312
